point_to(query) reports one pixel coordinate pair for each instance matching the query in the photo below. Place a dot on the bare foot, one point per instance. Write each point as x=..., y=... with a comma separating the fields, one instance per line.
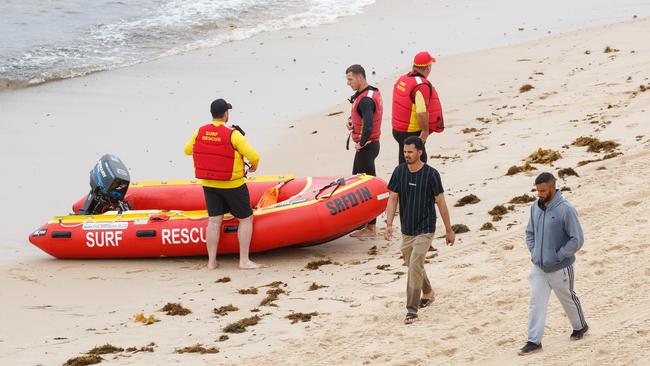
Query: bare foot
x=366, y=232
x=213, y=265
x=250, y=265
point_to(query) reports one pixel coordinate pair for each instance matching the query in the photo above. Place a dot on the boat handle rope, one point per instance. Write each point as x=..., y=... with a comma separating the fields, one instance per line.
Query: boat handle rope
x=337, y=183
x=70, y=226
x=183, y=214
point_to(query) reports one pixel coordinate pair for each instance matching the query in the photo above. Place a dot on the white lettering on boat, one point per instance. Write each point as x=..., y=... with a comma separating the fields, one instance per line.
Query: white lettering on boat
x=101, y=239
x=184, y=235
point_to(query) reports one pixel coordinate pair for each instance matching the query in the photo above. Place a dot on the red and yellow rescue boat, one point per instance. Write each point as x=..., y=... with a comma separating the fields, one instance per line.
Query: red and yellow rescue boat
x=169, y=219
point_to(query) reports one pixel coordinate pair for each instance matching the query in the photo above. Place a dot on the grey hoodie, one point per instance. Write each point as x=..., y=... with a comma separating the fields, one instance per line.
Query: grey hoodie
x=554, y=234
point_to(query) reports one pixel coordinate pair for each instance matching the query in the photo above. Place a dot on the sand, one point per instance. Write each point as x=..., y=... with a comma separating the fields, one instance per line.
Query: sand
x=54, y=310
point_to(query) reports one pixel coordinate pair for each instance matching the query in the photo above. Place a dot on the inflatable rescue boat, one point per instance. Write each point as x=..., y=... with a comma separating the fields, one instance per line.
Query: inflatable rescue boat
x=154, y=219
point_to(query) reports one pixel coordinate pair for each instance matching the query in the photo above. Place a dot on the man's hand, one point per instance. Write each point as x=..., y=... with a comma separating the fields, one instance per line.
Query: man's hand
x=424, y=136
x=358, y=146
x=252, y=169
x=450, y=237
x=348, y=124
x=388, y=234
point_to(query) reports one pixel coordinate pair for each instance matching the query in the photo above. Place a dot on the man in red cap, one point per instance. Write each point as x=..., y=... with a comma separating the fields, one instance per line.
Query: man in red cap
x=416, y=106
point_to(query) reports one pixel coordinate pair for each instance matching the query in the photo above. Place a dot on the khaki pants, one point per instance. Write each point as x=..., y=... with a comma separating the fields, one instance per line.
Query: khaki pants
x=414, y=250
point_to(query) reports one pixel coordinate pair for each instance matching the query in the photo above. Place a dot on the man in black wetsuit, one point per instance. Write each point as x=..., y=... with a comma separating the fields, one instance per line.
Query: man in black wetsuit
x=364, y=125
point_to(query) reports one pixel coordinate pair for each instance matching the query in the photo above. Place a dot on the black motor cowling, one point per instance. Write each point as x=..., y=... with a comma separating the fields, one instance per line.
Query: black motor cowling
x=109, y=181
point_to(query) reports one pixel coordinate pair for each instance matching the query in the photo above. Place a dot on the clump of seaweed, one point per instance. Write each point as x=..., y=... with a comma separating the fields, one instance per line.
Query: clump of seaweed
x=223, y=338
x=301, y=317
x=595, y=145
x=315, y=264
x=271, y=296
x=105, y=349
x=470, y=199
x=585, y=162
x=544, y=156
x=460, y=228
x=525, y=88
x=469, y=130
x=497, y=212
x=175, y=309
x=314, y=286
x=563, y=173
x=223, y=310
x=146, y=320
x=609, y=49
x=383, y=267
x=518, y=169
x=83, y=360
x=612, y=155
x=476, y=150
x=223, y=280
x=248, y=291
x=488, y=226
x=241, y=325
x=524, y=198
x=275, y=284
x=372, y=250
x=483, y=119
x=147, y=348
x=197, y=348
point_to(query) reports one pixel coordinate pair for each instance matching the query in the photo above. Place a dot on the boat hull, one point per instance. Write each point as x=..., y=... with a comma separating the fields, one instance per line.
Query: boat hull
x=303, y=217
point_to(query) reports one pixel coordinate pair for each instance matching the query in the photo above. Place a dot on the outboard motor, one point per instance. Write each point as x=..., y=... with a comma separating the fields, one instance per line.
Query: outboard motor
x=109, y=181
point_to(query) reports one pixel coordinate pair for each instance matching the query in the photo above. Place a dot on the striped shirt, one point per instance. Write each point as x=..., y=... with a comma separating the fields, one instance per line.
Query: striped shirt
x=417, y=192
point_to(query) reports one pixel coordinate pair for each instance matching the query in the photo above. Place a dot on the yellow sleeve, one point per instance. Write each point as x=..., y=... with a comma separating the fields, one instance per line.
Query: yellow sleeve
x=240, y=143
x=189, y=145
x=420, y=105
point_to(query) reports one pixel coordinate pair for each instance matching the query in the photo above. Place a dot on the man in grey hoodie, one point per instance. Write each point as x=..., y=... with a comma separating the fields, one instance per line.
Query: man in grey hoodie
x=553, y=237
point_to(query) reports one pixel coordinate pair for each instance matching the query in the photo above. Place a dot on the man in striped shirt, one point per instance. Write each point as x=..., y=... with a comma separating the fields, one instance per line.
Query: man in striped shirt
x=417, y=188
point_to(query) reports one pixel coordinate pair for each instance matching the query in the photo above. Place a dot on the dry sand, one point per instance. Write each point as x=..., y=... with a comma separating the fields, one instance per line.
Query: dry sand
x=54, y=310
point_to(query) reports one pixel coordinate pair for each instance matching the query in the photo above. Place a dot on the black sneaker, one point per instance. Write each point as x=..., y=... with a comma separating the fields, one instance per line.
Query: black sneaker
x=530, y=348
x=578, y=334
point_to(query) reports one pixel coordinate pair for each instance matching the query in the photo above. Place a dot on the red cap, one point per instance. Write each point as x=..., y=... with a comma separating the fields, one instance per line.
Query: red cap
x=423, y=59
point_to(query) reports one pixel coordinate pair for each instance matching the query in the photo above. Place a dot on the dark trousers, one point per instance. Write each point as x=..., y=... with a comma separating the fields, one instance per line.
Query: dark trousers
x=400, y=137
x=364, y=162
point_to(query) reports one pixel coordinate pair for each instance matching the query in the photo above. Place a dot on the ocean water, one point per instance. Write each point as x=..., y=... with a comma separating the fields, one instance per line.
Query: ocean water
x=43, y=40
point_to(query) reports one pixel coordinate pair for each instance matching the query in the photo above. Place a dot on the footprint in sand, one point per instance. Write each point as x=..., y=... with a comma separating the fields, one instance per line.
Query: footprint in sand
x=476, y=279
x=631, y=203
x=618, y=247
x=474, y=331
x=503, y=342
x=450, y=352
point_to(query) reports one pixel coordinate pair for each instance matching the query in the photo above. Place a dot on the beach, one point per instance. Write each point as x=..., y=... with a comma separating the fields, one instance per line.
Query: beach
x=591, y=82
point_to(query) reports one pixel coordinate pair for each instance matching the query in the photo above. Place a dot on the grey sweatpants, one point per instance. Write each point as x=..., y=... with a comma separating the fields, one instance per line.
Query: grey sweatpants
x=541, y=284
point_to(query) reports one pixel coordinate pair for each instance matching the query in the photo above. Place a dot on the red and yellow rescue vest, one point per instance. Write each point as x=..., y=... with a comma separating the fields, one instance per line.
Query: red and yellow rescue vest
x=405, y=117
x=214, y=155
x=357, y=120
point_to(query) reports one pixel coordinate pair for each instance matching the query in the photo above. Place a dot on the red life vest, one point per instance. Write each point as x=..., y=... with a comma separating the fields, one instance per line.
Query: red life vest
x=404, y=115
x=357, y=120
x=213, y=153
